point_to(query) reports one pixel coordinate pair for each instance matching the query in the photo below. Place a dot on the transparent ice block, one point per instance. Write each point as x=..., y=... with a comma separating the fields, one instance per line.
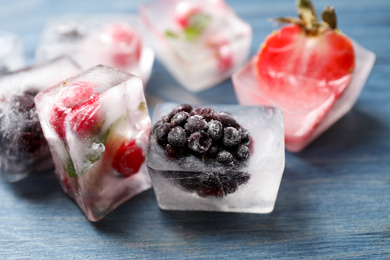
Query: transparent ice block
x=11, y=52
x=97, y=126
x=23, y=148
x=180, y=182
x=201, y=43
x=303, y=125
x=113, y=40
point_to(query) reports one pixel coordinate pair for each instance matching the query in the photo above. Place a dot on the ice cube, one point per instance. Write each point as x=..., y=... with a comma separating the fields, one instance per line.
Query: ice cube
x=109, y=39
x=201, y=43
x=11, y=52
x=97, y=126
x=23, y=148
x=304, y=123
x=213, y=180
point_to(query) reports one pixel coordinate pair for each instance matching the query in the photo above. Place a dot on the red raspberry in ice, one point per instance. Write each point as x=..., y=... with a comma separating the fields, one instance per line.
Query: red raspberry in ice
x=125, y=45
x=85, y=117
x=223, y=51
x=71, y=99
x=128, y=159
x=183, y=13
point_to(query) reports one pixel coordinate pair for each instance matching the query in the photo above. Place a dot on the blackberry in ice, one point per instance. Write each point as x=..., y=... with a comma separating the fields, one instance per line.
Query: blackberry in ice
x=201, y=135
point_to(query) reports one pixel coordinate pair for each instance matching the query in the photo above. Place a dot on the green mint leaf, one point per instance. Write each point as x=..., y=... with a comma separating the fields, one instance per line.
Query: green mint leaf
x=191, y=34
x=70, y=168
x=171, y=34
x=103, y=138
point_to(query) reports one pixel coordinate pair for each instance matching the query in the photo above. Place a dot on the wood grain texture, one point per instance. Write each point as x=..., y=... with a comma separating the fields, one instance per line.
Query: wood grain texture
x=333, y=201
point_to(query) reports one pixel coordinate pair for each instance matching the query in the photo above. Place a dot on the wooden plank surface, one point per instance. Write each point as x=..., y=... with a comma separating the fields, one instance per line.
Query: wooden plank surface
x=333, y=201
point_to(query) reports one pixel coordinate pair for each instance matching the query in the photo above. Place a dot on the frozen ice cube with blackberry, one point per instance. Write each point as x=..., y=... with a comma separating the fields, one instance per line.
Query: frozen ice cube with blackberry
x=200, y=42
x=23, y=148
x=109, y=39
x=97, y=125
x=219, y=158
x=11, y=52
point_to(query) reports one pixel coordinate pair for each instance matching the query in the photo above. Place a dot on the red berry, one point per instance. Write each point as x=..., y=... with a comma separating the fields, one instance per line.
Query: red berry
x=304, y=68
x=183, y=13
x=73, y=98
x=124, y=43
x=85, y=117
x=128, y=159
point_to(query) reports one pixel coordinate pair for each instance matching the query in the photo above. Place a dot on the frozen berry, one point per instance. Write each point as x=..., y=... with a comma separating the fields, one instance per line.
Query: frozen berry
x=183, y=107
x=124, y=43
x=170, y=150
x=199, y=142
x=225, y=157
x=177, y=137
x=72, y=96
x=179, y=119
x=231, y=137
x=213, y=151
x=24, y=102
x=245, y=135
x=161, y=131
x=215, y=130
x=242, y=152
x=226, y=119
x=128, y=159
x=195, y=123
x=205, y=112
x=85, y=118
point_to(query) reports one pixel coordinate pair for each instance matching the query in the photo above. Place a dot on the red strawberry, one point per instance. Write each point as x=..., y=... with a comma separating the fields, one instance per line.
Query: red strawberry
x=304, y=68
x=128, y=158
x=72, y=98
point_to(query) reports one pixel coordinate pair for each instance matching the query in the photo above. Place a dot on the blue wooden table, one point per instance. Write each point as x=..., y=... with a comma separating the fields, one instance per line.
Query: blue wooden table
x=334, y=199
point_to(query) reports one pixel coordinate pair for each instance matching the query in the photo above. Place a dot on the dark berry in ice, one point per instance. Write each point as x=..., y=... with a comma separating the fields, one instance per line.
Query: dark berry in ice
x=26, y=135
x=179, y=119
x=177, y=137
x=242, y=152
x=162, y=131
x=195, y=123
x=231, y=137
x=226, y=119
x=201, y=135
x=213, y=151
x=225, y=157
x=205, y=112
x=128, y=159
x=215, y=129
x=183, y=107
x=216, y=184
x=170, y=151
x=245, y=136
x=199, y=142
